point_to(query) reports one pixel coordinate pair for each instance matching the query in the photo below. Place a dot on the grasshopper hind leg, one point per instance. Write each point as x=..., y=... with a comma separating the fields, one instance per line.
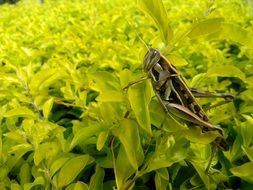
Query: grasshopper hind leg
x=218, y=143
x=213, y=153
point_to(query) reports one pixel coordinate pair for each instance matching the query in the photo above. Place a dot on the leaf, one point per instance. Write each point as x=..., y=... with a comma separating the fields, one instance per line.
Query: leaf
x=102, y=137
x=168, y=152
x=128, y=135
x=20, y=112
x=123, y=173
x=57, y=164
x=196, y=80
x=17, y=152
x=15, y=186
x=27, y=51
x=156, y=10
x=25, y=173
x=163, y=173
x=40, y=77
x=72, y=168
x=45, y=78
x=105, y=161
x=51, y=148
x=247, y=94
x=38, y=181
x=125, y=77
x=249, y=152
x=110, y=96
x=160, y=183
x=157, y=113
x=96, y=181
x=201, y=171
x=247, y=130
x=139, y=96
x=195, y=134
x=205, y=27
x=236, y=33
x=103, y=82
x=225, y=71
x=110, y=111
x=16, y=136
x=244, y=171
x=176, y=60
x=85, y=133
x=47, y=107
x=78, y=186
x=236, y=148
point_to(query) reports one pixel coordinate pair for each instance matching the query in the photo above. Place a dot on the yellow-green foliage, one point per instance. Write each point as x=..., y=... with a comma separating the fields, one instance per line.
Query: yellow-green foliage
x=65, y=121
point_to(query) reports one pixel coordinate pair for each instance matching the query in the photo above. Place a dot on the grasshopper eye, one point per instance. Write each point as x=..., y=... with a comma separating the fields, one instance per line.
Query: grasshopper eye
x=154, y=54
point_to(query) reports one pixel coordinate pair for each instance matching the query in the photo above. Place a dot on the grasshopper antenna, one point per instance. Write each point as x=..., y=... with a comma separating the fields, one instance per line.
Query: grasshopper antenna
x=148, y=48
x=138, y=35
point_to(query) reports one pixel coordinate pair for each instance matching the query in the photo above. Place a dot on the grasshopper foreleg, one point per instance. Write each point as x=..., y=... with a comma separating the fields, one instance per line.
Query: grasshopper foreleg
x=136, y=82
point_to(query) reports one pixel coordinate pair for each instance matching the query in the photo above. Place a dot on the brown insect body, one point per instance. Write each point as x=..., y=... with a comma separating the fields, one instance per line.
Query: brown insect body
x=174, y=94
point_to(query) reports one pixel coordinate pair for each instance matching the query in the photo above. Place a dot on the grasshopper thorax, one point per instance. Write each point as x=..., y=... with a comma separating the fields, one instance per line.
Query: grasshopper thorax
x=151, y=59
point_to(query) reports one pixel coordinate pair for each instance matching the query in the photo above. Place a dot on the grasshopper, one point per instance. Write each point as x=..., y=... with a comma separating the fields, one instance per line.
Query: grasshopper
x=177, y=98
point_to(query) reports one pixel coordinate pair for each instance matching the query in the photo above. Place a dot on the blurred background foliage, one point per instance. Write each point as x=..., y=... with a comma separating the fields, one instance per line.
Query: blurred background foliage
x=65, y=121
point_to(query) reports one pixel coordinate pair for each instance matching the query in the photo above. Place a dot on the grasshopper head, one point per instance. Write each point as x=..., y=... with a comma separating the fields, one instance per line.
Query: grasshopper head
x=151, y=58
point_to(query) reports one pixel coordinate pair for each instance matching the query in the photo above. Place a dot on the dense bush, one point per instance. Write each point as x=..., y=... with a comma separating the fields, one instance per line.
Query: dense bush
x=66, y=123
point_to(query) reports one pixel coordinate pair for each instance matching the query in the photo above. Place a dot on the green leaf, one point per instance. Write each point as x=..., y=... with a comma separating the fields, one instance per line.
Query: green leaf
x=157, y=113
x=176, y=60
x=25, y=173
x=128, y=135
x=163, y=173
x=84, y=134
x=102, y=137
x=160, y=183
x=18, y=151
x=139, y=96
x=123, y=173
x=201, y=171
x=78, y=186
x=47, y=107
x=20, y=112
x=247, y=94
x=15, y=186
x=156, y=10
x=96, y=182
x=195, y=134
x=236, y=33
x=72, y=168
x=125, y=77
x=204, y=27
x=247, y=130
x=225, y=71
x=57, y=164
x=249, y=152
x=110, y=111
x=16, y=136
x=236, y=148
x=27, y=51
x=105, y=161
x=110, y=96
x=44, y=78
x=244, y=171
x=50, y=148
x=38, y=181
x=103, y=82
x=168, y=152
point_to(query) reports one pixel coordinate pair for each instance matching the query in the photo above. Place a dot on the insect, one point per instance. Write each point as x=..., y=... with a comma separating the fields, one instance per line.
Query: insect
x=177, y=98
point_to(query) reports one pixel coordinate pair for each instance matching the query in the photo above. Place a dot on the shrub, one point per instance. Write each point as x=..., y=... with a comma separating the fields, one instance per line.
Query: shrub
x=66, y=123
